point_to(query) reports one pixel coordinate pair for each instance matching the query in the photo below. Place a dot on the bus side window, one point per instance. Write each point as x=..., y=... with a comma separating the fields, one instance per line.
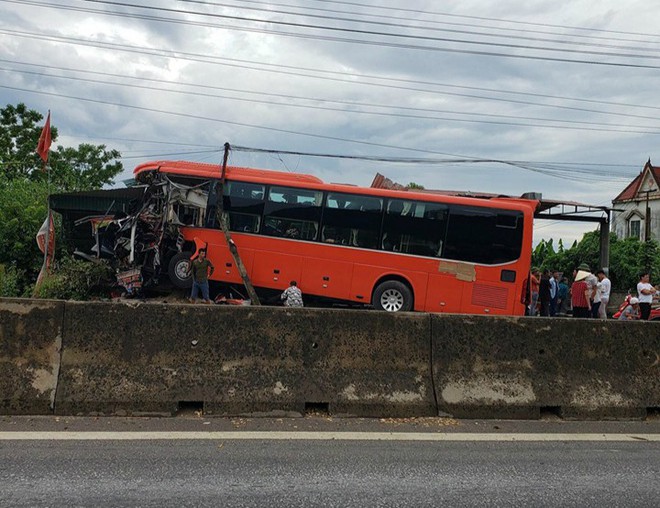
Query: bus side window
x=354, y=218
x=292, y=213
x=414, y=227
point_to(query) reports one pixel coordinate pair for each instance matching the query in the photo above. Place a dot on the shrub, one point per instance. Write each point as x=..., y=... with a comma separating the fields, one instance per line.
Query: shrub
x=77, y=280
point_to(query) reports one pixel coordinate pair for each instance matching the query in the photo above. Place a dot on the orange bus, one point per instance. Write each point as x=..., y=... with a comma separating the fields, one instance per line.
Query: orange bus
x=395, y=250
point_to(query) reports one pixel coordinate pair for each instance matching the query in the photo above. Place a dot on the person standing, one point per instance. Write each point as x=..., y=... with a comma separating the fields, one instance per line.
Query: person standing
x=200, y=268
x=591, y=281
x=554, y=292
x=645, y=292
x=604, y=287
x=580, y=294
x=534, y=290
x=545, y=293
x=292, y=295
x=562, y=297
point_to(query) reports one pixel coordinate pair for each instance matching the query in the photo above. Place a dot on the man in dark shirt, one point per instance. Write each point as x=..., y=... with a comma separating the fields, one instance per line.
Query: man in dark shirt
x=200, y=273
x=545, y=293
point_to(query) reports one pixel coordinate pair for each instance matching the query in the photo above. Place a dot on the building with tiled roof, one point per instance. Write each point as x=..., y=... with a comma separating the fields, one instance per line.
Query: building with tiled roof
x=636, y=210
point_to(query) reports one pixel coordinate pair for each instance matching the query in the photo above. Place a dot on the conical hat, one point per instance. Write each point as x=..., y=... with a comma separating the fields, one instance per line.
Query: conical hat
x=581, y=275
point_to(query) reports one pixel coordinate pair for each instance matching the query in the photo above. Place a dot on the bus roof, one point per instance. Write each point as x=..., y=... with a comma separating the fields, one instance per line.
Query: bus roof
x=203, y=170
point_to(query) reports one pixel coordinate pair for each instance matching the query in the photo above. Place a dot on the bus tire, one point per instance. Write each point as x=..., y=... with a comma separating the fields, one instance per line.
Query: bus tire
x=177, y=268
x=392, y=296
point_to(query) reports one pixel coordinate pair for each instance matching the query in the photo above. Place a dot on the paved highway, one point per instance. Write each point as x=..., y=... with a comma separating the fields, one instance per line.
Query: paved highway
x=326, y=462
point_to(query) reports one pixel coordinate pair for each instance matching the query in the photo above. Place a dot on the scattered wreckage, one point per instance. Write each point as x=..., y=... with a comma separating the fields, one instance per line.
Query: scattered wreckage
x=142, y=241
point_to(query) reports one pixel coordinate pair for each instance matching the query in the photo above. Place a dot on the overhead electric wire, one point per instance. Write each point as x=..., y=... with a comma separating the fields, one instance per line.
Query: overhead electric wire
x=211, y=59
x=418, y=11
x=437, y=22
x=373, y=43
x=351, y=30
x=526, y=166
x=572, y=124
x=417, y=27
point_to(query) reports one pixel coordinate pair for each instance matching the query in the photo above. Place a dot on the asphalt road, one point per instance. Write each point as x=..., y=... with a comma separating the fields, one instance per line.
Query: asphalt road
x=618, y=464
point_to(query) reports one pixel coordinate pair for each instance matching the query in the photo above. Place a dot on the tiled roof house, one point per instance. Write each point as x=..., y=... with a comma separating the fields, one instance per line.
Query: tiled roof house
x=638, y=203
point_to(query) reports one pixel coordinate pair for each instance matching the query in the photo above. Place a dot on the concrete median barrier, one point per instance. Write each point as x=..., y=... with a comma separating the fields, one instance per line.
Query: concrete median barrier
x=30, y=345
x=151, y=358
x=499, y=367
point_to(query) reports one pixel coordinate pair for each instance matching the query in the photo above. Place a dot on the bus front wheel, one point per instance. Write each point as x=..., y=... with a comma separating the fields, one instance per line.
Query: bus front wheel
x=392, y=296
x=178, y=270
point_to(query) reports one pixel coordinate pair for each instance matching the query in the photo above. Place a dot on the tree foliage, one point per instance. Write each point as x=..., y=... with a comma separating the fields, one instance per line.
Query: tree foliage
x=628, y=258
x=25, y=186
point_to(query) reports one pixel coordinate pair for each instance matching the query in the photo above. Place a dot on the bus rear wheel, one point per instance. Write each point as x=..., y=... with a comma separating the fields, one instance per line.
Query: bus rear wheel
x=178, y=270
x=392, y=296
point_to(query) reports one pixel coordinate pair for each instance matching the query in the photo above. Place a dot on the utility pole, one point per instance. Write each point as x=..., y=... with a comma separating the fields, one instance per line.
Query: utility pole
x=225, y=229
x=647, y=217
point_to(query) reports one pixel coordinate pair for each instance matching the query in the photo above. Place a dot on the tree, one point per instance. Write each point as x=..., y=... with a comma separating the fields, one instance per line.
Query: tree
x=19, y=136
x=414, y=186
x=24, y=187
x=69, y=169
x=628, y=258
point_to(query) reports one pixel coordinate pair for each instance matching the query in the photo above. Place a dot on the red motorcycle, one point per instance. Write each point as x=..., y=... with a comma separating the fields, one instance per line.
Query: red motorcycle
x=655, y=311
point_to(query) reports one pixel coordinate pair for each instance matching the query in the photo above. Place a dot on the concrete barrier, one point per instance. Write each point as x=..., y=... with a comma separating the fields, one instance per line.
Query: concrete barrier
x=150, y=358
x=111, y=358
x=490, y=367
x=30, y=344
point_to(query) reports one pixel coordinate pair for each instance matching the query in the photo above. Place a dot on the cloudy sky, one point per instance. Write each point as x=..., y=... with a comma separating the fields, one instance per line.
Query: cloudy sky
x=503, y=97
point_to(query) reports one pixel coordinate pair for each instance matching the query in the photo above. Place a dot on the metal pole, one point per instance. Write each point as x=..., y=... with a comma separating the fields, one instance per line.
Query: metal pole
x=225, y=229
x=605, y=244
x=647, y=219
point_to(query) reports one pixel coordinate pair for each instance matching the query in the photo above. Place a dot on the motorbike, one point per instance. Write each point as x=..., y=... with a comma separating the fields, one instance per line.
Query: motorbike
x=655, y=310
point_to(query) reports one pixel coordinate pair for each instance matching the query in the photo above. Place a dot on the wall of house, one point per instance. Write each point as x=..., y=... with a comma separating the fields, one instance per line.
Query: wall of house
x=620, y=219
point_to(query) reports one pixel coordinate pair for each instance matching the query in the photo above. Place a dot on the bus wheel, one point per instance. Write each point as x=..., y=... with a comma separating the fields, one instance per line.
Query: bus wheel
x=177, y=269
x=392, y=296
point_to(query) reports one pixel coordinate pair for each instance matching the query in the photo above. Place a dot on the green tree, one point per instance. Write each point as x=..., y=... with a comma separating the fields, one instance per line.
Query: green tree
x=24, y=186
x=413, y=186
x=628, y=258
x=19, y=136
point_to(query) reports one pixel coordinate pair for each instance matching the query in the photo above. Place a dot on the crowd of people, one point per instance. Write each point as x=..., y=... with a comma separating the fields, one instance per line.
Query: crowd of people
x=548, y=293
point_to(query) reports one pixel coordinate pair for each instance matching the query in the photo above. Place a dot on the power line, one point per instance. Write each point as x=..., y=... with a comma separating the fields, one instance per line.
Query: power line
x=426, y=19
x=526, y=166
x=212, y=59
x=368, y=42
x=509, y=36
x=572, y=124
x=417, y=11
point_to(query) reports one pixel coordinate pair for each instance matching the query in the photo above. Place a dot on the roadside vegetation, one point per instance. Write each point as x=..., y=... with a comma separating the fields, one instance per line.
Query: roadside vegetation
x=628, y=258
x=24, y=189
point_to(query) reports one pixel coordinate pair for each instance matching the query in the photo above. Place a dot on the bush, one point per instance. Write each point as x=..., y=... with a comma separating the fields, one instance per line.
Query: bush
x=10, y=281
x=77, y=280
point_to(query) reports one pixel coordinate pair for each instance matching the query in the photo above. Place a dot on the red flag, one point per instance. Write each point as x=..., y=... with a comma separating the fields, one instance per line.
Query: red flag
x=44, y=140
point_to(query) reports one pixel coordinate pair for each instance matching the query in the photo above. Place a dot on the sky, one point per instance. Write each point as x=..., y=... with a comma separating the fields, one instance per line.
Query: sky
x=499, y=97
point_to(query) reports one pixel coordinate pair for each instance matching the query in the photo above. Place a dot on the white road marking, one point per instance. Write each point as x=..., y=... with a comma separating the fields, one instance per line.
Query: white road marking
x=319, y=436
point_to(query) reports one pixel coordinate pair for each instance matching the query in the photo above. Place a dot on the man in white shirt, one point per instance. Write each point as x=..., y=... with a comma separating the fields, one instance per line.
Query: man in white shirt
x=554, y=292
x=645, y=292
x=604, y=287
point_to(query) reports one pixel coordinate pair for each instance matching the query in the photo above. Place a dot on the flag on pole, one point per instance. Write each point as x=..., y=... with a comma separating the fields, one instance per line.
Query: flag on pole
x=44, y=140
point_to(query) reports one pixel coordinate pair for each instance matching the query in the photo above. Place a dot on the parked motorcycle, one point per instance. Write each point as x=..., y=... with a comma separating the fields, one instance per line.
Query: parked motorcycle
x=655, y=310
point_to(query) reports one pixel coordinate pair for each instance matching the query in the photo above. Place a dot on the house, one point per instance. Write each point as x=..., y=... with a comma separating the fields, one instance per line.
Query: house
x=636, y=211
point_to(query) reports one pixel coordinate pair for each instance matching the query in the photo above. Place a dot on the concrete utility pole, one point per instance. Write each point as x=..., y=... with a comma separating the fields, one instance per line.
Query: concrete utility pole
x=225, y=229
x=647, y=217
